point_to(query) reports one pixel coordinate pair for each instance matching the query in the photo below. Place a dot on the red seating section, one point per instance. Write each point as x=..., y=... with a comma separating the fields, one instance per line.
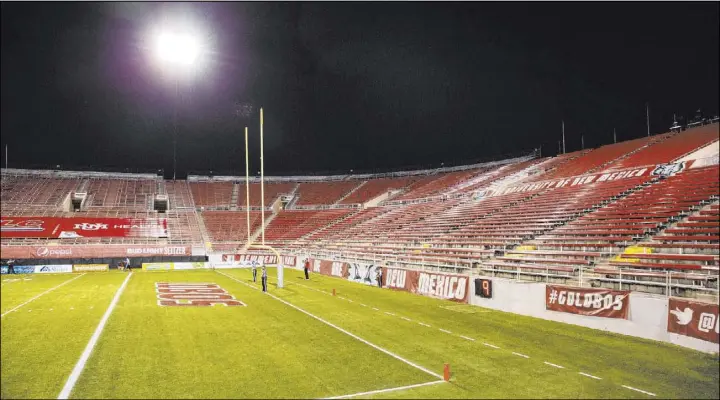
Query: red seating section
x=272, y=192
x=230, y=226
x=376, y=187
x=212, y=194
x=125, y=193
x=673, y=148
x=324, y=193
x=293, y=224
x=436, y=184
x=36, y=191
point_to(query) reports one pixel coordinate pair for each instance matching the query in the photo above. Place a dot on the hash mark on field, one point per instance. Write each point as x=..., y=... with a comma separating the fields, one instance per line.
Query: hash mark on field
x=47, y=291
x=424, y=324
x=490, y=345
x=467, y=338
x=553, y=365
x=638, y=390
x=444, y=330
x=406, y=319
x=358, y=338
x=589, y=376
x=520, y=355
x=389, y=313
x=347, y=396
x=364, y=305
x=375, y=309
x=80, y=366
x=349, y=300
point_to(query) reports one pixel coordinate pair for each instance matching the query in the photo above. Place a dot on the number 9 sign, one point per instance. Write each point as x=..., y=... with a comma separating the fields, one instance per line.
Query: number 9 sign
x=483, y=288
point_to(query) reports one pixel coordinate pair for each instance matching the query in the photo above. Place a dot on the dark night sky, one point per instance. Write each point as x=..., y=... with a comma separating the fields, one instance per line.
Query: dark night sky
x=364, y=86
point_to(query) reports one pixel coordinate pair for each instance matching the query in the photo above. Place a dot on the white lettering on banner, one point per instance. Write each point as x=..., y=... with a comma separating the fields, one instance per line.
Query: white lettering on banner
x=443, y=286
x=337, y=268
x=396, y=278
x=167, y=251
x=261, y=258
x=707, y=322
x=590, y=300
x=575, y=181
x=90, y=227
x=44, y=252
x=50, y=269
x=288, y=260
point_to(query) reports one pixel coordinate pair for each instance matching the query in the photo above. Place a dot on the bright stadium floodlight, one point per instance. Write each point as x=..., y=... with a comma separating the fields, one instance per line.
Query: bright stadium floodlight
x=178, y=49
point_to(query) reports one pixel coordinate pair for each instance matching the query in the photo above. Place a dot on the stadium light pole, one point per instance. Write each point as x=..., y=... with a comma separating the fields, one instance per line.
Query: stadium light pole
x=176, y=51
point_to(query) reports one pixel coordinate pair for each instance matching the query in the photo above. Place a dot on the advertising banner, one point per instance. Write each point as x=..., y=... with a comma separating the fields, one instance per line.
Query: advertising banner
x=92, y=251
x=58, y=228
x=189, y=265
x=399, y=279
x=53, y=269
x=160, y=266
x=90, y=267
x=604, y=303
x=266, y=259
x=363, y=273
x=289, y=261
x=576, y=181
x=694, y=319
x=19, y=269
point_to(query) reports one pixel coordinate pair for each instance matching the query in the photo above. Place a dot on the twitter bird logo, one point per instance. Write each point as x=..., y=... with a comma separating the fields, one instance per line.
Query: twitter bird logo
x=683, y=317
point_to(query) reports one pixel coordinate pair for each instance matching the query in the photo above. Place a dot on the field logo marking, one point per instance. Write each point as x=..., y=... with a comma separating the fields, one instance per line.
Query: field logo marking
x=193, y=294
x=75, y=374
x=391, y=354
x=45, y=292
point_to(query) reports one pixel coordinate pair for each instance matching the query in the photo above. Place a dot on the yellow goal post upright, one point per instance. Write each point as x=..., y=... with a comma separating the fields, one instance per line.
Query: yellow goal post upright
x=250, y=245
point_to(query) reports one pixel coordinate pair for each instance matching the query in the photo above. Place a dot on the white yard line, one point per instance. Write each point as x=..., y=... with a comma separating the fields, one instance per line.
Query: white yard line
x=45, y=292
x=444, y=330
x=589, y=376
x=467, y=338
x=375, y=309
x=347, y=396
x=553, y=365
x=406, y=319
x=638, y=390
x=75, y=374
x=490, y=345
x=391, y=354
x=520, y=355
x=390, y=314
x=424, y=324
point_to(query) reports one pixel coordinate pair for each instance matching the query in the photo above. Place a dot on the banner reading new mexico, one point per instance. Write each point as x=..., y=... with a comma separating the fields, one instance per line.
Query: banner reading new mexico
x=445, y=286
x=51, y=227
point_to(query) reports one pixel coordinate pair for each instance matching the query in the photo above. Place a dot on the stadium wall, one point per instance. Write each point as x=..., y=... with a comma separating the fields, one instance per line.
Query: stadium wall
x=647, y=315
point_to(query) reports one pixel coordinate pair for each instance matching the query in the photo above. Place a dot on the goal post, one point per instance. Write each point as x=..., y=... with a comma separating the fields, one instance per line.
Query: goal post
x=280, y=272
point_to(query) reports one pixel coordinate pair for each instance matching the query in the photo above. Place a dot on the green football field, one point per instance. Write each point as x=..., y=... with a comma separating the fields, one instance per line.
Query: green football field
x=303, y=342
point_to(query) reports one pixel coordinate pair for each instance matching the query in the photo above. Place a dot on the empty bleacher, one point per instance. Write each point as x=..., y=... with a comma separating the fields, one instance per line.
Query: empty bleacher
x=272, y=192
x=376, y=187
x=323, y=193
x=230, y=226
x=212, y=194
x=123, y=193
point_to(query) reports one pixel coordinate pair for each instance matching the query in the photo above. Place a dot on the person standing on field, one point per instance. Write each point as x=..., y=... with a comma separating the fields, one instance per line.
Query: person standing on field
x=264, y=279
x=11, y=266
x=254, y=270
x=306, y=268
x=379, y=277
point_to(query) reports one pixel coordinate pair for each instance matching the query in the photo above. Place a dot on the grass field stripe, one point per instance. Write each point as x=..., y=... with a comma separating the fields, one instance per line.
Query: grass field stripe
x=490, y=345
x=638, y=390
x=75, y=374
x=444, y=330
x=347, y=396
x=553, y=365
x=391, y=354
x=467, y=338
x=589, y=376
x=45, y=292
x=520, y=355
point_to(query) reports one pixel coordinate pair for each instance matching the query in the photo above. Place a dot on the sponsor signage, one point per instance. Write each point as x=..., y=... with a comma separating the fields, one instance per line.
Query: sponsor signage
x=91, y=251
x=53, y=269
x=90, y=267
x=483, y=288
x=694, y=319
x=161, y=266
x=193, y=294
x=363, y=273
x=591, y=302
x=289, y=260
x=669, y=169
x=395, y=278
x=19, y=269
x=59, y=228
x=188, y=265
x=265, y=259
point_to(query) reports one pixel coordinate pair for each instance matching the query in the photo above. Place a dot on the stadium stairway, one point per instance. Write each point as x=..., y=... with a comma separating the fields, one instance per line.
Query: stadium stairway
x=269, y=216
x=234, y=198
x=655, y=140
x=322, y=229
x=350, y=192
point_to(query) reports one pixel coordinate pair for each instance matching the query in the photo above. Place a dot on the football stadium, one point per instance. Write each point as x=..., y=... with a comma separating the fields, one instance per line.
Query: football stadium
x=587, y=273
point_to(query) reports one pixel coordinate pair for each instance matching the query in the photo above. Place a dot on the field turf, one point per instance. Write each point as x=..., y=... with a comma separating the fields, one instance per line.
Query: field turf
x=303, y=342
